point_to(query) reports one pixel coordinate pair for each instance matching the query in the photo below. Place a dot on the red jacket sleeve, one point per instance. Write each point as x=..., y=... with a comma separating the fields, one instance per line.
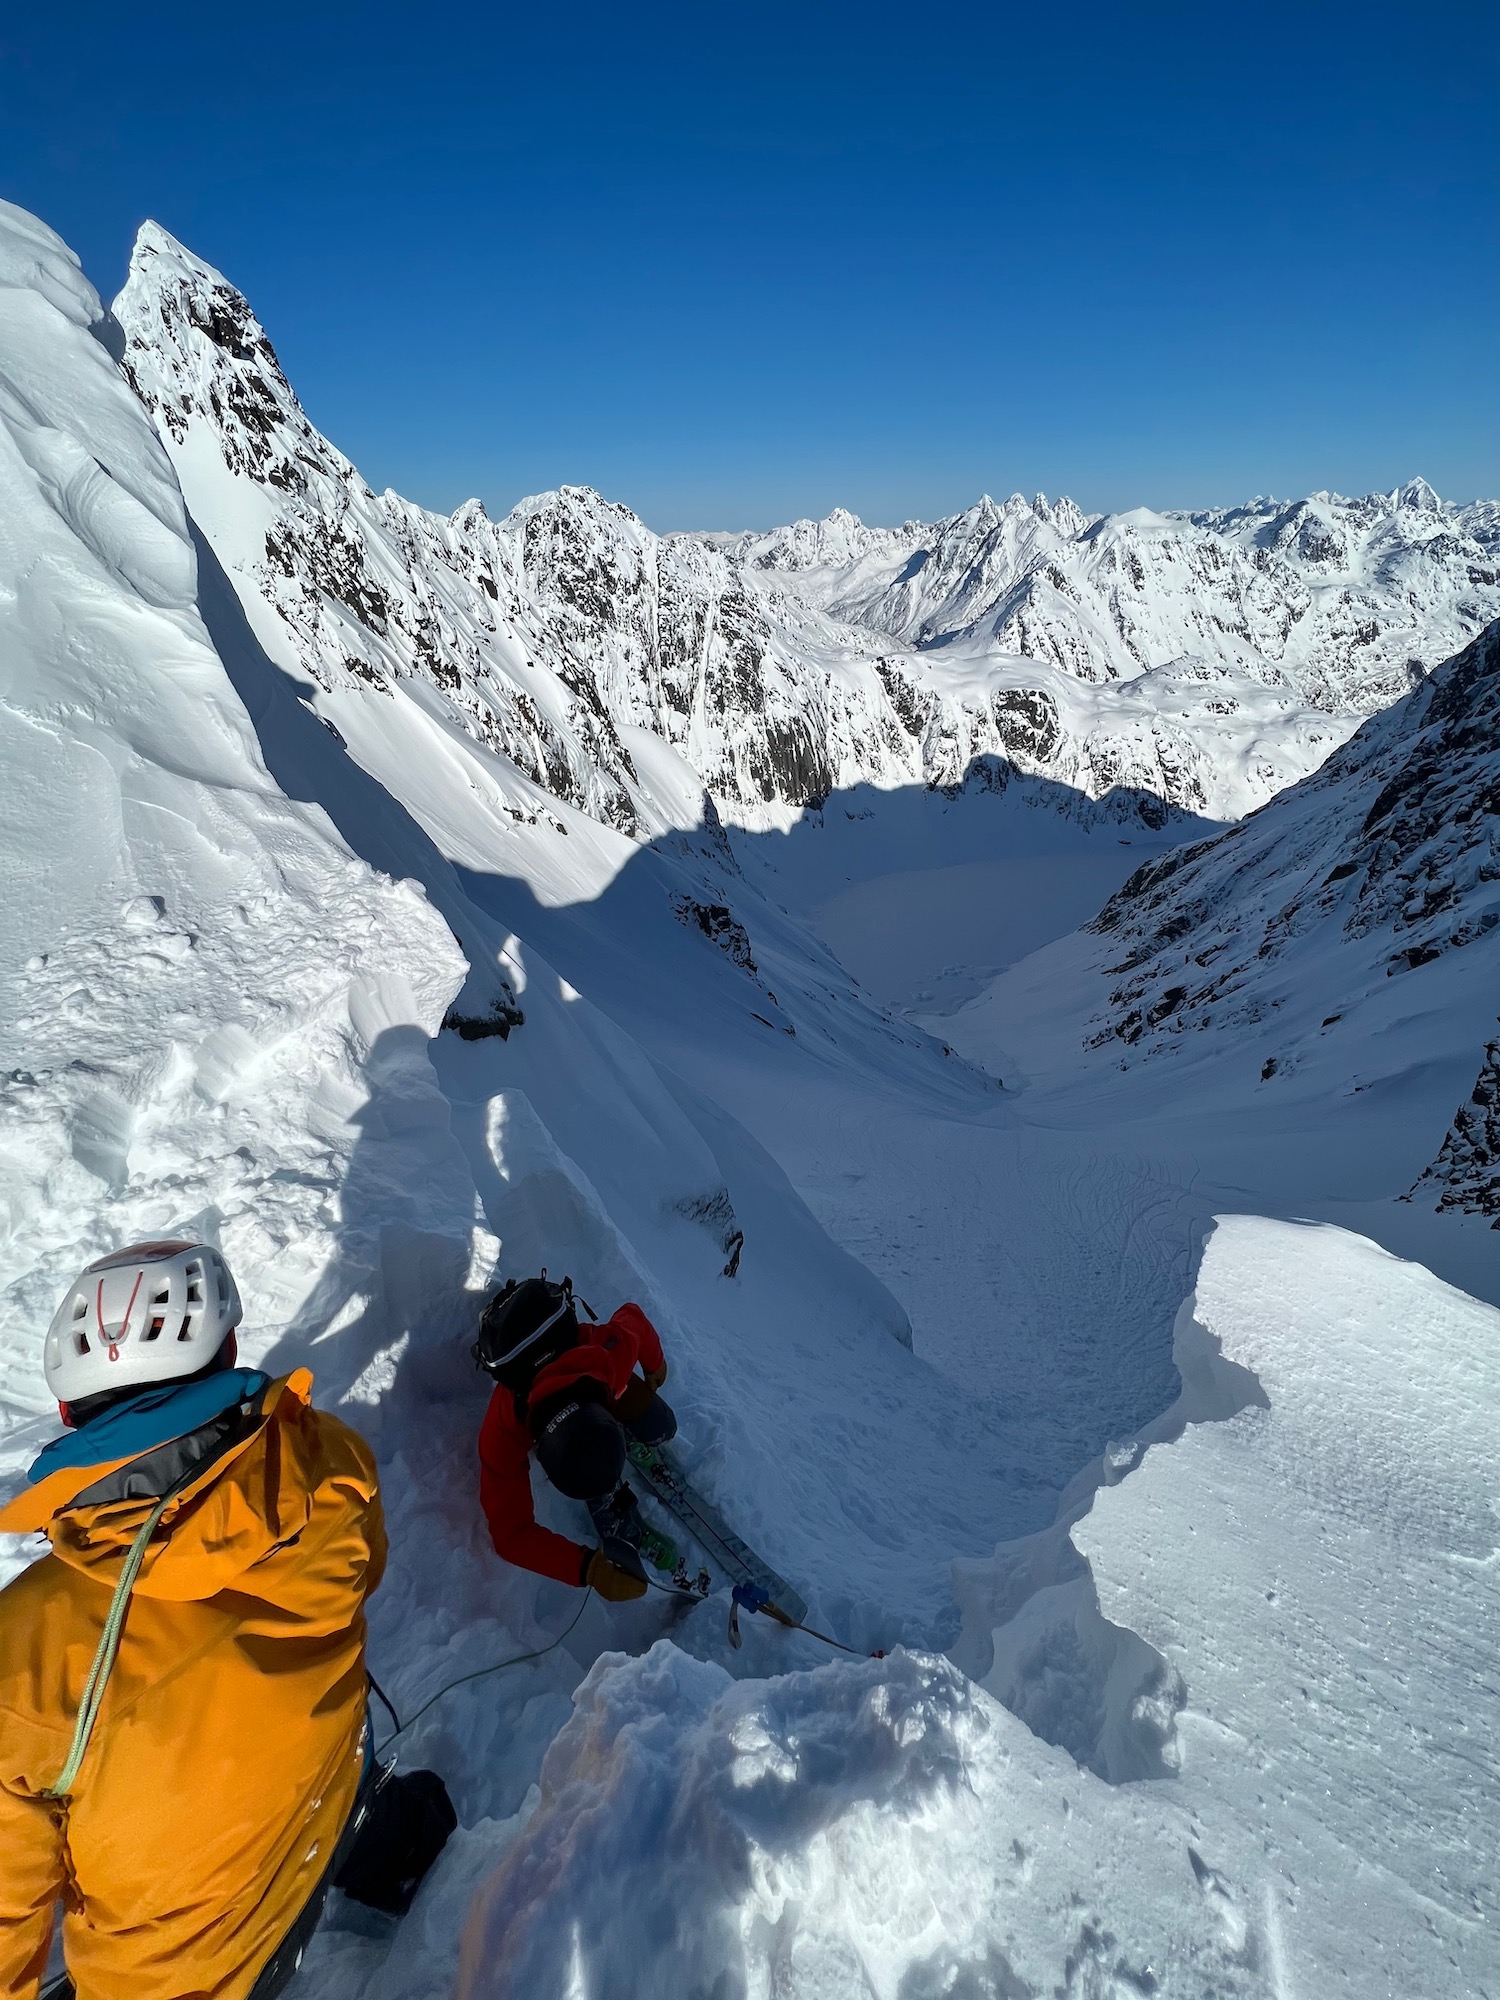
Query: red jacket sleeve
x=632, y=1322
x=505, y=1495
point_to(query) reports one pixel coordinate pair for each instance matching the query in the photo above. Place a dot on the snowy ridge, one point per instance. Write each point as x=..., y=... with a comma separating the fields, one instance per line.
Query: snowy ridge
x=1343, y=602
x=190, y=1001
x=563, y=634
x=1384, y=863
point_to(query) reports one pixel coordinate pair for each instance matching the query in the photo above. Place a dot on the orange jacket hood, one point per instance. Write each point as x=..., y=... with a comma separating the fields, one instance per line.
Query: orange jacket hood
x=245, y=1502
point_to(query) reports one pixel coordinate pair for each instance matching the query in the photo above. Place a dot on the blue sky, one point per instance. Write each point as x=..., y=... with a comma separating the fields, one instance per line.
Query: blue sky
x=735, y=263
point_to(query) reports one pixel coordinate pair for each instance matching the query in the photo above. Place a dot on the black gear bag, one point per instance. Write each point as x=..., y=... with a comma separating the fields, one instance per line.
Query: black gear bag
x=404, y=1832
x=527, y=1325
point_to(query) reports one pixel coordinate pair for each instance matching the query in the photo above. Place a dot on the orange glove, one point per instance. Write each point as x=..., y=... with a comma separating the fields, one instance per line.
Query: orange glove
x=614, y=1584
x=655, y=1377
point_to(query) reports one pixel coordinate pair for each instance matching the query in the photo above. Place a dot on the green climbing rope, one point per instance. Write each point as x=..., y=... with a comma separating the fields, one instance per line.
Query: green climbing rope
x=104, y=1657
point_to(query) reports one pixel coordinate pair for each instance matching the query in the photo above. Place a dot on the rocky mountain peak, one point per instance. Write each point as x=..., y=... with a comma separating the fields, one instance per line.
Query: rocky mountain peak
x=1199, y=662
x=1417, y=495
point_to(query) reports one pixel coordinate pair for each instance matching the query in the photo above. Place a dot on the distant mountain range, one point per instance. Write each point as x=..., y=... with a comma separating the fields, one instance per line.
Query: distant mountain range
x=1158, y=663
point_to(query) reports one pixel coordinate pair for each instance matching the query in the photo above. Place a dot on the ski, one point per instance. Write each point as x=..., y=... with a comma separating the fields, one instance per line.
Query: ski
x=713, y=1534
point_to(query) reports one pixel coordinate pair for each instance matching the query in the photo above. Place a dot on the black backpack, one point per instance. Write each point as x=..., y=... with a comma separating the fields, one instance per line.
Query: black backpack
x=524, y=1327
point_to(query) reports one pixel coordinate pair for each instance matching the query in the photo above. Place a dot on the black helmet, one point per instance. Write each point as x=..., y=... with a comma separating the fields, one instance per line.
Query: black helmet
x=527, y=1325
x=579, y=1446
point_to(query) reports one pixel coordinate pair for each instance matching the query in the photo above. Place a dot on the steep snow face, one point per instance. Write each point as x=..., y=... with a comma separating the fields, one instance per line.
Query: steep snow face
x=566, y=635
x=1385, y=862
x=197, y=977
x=1343, y=603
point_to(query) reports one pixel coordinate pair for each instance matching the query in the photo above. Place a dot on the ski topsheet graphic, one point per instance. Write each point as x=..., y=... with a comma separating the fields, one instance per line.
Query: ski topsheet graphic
x=699, y=1518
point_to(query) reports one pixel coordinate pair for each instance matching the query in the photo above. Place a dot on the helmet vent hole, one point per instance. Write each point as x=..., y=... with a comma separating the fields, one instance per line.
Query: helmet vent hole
x=80, y=1308
x=153, y=1331
x=195, y=1293
x=185, y=1331
x=160, y=1298
x=81, y=1341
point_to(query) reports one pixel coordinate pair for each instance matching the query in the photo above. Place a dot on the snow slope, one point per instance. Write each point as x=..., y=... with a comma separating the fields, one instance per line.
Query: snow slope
x=909, y=1314
x=876, y=1828
x=625, y=673
x=195, y=970
x=1301, y=1003
x=1343, y=1529
x=1288, y=1612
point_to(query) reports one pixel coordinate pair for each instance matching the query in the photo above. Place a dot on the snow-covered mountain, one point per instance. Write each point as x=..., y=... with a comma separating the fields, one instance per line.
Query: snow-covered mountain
x=301, y=951
x=1345, y=602
x=1194, y=660
x=1331, y=962
x=1383, y=866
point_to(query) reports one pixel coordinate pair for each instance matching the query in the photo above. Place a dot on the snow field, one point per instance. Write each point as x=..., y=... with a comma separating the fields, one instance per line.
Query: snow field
x=232, y=938
x=1322, y=1571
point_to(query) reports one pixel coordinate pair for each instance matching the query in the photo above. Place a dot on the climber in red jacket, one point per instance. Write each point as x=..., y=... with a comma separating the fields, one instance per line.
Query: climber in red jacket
x=570, y=1393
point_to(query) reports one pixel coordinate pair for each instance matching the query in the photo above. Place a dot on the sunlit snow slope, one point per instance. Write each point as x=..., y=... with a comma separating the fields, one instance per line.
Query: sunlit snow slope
x=269, y=826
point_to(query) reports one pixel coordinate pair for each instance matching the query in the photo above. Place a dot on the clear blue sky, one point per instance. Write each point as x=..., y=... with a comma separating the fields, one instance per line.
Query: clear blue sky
x=732, y=263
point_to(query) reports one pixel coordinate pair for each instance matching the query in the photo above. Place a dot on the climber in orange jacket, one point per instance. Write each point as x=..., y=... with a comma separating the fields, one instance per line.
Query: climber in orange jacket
x=192, y=1824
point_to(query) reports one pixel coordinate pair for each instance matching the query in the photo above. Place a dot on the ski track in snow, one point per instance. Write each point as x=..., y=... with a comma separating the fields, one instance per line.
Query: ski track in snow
x=956, y=1325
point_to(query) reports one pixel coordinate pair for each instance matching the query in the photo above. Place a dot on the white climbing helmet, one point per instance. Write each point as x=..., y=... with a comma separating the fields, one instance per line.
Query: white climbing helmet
x=147, y=1313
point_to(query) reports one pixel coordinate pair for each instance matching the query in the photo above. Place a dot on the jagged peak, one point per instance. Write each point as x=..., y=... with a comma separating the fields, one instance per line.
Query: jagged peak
x=583, y=501
x=154, y=243
x=1419, y=496
x=468, y=513
x=167, y=281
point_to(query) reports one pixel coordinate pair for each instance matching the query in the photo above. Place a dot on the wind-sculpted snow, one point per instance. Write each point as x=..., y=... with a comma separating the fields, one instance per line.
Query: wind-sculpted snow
x=876, y=1828
x=1316, y=1563
x=562, y=633
x=195, y=970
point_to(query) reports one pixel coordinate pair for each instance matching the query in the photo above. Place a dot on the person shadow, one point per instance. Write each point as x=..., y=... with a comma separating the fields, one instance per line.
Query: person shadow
x=387, y=1331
